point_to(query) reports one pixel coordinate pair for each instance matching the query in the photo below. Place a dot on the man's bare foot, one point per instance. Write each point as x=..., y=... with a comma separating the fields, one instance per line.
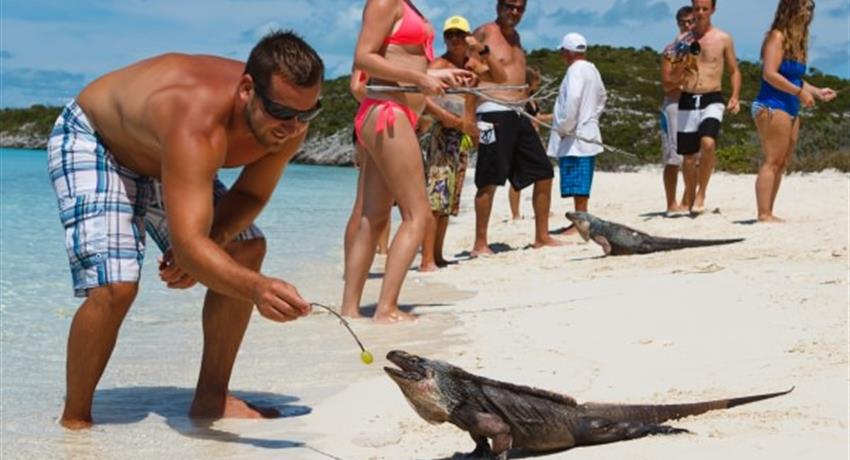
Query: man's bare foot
x=393, y=316
x=482, y=251
x=548, y=242
x=428, y=268
x=771, y=219
x=350, y=312
x=233, y=408
x=75, y=424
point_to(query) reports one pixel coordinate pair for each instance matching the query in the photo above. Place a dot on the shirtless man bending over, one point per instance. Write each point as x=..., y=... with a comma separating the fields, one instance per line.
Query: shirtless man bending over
x=140, y=148
x=701, y=104
x=510, y=148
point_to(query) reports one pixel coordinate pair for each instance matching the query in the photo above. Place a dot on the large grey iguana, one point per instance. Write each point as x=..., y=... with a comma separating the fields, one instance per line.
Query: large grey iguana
x=521, y=417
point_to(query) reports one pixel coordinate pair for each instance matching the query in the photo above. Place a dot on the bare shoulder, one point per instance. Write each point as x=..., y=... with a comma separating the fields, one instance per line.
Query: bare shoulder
x=723, y=36
x=486, y=30
x=195, y=94
x=775, y=36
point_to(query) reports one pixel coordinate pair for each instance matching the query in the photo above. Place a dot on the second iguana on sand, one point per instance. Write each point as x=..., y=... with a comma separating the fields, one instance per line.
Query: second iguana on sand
x=521, y=417
x=617, y=239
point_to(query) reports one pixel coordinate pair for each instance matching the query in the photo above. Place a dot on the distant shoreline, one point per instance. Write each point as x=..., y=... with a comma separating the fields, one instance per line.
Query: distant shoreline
x=331, y=150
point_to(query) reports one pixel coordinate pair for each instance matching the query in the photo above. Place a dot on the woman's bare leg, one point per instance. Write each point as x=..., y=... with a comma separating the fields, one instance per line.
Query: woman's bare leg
x=773, y=128
x=394, y=160
x=395, y=154
x=792, y=145
x=384, y=236
x=356, y=211
x=361, y=253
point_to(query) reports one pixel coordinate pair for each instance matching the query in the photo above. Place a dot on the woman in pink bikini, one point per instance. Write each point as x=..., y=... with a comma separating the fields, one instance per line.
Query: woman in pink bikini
x=394, y=48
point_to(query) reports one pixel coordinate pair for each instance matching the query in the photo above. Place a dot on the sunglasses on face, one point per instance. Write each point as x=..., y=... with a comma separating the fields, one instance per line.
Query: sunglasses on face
x=283, y=113
x=687, y=22
x=454, y=34
x=507, y=6
x=811, y=7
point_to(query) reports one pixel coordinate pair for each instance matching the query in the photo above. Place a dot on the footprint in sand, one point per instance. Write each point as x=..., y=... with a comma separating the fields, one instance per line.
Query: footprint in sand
x=710, y=268
x=373, y=440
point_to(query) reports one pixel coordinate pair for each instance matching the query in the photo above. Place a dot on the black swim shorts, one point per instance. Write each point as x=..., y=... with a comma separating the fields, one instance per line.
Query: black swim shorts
x=510, y=149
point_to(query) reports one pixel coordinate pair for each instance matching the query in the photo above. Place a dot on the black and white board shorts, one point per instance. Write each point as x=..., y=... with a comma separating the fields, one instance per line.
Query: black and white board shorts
x=700, y=116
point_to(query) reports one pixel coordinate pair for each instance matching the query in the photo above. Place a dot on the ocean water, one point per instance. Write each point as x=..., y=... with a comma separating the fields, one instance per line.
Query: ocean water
x=145, y=392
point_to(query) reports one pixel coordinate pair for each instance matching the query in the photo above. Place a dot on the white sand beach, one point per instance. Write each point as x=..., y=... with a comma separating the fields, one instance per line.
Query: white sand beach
x=758, y=316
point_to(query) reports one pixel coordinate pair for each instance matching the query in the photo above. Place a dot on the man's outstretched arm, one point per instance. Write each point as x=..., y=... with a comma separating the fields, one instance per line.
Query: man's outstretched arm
x=244, y=201
x=189, y=167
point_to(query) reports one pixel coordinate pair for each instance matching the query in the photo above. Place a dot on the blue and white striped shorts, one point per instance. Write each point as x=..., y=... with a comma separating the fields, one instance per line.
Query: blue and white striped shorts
x=105, y=207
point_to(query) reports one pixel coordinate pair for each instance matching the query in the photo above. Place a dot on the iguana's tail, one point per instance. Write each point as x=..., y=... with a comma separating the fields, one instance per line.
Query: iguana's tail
x=648, y=413
x=670, y=244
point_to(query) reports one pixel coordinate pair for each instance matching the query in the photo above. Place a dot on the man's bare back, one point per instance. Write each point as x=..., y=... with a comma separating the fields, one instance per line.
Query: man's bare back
x=171, y=93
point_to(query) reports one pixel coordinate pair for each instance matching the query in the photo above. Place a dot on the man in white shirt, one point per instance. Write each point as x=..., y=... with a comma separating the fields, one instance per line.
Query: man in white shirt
x=576, y=139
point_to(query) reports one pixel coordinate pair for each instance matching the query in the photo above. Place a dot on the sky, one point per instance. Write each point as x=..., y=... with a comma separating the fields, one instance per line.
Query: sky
x=50, y=49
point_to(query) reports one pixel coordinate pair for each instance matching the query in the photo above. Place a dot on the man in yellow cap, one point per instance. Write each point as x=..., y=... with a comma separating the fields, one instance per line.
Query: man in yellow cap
x=457, y=23
x=451, y=142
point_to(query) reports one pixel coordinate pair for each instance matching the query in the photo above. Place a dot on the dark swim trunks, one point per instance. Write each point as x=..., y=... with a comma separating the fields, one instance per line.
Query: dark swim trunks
x=510, y=149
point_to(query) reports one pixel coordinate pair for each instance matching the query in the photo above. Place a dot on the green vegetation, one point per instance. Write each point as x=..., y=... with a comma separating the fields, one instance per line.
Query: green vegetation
x=36, y=120
x=630, y=122
x=634, y=96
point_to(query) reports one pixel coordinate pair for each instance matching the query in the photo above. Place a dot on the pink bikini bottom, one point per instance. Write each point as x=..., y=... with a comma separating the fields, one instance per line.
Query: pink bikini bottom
x=386, y=115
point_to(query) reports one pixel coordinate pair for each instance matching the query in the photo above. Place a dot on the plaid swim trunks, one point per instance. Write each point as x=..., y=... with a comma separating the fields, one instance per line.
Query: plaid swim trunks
x=105, y=207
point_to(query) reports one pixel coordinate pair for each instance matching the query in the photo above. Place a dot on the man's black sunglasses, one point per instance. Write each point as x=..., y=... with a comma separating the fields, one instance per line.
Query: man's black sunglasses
x=282, y=112
x=518, y=8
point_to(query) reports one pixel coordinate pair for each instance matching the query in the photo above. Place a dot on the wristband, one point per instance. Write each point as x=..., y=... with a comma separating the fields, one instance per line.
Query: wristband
x=800, y=91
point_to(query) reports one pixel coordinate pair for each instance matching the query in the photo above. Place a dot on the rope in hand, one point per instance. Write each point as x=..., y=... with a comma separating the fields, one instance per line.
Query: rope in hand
x=520, y=110
x=517, y=106
x=458, y=90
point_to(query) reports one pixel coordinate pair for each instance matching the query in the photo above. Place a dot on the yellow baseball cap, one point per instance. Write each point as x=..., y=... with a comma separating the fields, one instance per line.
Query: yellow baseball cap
x=456, y=22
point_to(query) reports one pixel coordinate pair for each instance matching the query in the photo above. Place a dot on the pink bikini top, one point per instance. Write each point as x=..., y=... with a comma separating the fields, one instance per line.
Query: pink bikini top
x=413, y=31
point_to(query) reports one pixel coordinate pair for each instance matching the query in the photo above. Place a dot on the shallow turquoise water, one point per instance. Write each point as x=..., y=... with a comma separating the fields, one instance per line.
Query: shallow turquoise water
x=158, y=349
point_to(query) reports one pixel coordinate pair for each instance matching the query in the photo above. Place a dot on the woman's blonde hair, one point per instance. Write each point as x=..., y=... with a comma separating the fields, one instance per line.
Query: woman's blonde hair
x=792, y=21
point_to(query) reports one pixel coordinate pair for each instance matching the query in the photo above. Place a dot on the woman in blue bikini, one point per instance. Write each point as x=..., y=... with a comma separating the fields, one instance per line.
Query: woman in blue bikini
x=783, y=90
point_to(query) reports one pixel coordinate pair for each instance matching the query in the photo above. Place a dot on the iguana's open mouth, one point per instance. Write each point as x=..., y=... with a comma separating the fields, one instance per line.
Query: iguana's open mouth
x=582, y=225
x=395, y=373
x=409, y=369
